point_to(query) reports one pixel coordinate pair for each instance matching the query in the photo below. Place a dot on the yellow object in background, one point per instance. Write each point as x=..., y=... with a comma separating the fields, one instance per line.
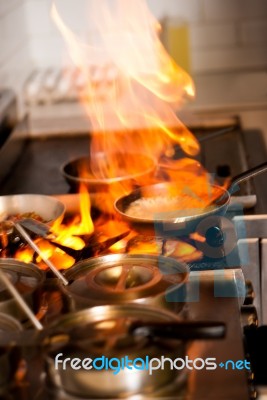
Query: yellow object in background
x=177, y=41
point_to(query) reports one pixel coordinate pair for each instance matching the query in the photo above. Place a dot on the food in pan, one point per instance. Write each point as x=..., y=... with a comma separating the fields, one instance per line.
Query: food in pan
x=170, y=207
x=16, y=217
x=7, y=219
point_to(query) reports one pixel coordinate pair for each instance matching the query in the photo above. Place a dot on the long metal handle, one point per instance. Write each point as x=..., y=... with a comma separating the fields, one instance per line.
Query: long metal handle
x=214, y=135
x=259, y=169
x=20, y=301
x=39, y=252
x=184, y=330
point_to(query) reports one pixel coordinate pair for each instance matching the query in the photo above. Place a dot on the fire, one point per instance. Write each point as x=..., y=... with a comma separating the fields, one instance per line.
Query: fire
x=137, y=114
x=179, y=249
x=66, y=235
x=55, y=255
x=134, y=125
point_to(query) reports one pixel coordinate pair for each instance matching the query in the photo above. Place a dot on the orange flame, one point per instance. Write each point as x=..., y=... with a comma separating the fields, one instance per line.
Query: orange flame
x=131, y=108
x=66, y=235
x=146, y=79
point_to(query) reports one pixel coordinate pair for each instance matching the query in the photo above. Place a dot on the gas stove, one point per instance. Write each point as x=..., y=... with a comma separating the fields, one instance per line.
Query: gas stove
x=229, y=287
x=202, y=305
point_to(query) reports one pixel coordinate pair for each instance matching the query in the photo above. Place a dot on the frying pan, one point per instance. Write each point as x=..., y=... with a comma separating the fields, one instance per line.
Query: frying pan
x=48, y=208
x=101, y=189
x=168, y=222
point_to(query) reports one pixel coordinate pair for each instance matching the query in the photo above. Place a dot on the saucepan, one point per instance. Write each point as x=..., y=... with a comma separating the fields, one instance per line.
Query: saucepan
x=127, y=278
x=130, y=331
x=114, y=332
x=27, y=278
x=21, y=206
x=181, y=217
x=9, y=354
x=121, y=180
x=121, y=278
x=47, y=208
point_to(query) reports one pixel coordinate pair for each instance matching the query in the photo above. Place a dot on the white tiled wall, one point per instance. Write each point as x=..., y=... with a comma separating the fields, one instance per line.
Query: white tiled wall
x=15, y=61
x=225, y=34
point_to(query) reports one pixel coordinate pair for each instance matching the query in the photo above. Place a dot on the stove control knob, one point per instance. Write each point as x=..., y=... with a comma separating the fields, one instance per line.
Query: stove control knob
x=250, y=294
x=249, y=316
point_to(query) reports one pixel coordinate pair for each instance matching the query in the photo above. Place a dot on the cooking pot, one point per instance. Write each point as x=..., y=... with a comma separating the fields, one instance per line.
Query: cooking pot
x=135, y=332
x=122, y=180
x=109, y=323
x=27, y=279
x=126, y=278
x=9, y=355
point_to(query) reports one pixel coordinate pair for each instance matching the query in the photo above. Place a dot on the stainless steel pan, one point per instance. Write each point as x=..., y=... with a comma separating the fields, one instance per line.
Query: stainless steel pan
x=79, y=171
x=127, y=278
x=166, y=223
x=9, y=355
x=119, y=331
x=48, y=208
x=27, y=279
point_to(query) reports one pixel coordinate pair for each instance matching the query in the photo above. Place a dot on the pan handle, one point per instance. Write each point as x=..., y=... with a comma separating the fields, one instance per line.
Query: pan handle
x=187, y=330
x=250, y=173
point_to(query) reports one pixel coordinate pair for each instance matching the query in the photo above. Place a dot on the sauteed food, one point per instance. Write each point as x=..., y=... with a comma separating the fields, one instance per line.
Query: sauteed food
x=182, y=206
x=165, y=201
x=17, y=217
x=31, y=206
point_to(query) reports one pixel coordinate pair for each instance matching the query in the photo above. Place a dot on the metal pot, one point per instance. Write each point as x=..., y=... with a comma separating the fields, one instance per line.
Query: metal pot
x=79, y=171
x=9, y=355
x=27, y=279
x=123, y=278
x=48, y=208
x=108, y=325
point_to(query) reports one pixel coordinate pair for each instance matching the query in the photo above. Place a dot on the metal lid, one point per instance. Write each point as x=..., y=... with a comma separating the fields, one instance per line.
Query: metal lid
x=25, y=277
x=107, y=327
x=121, y=278
x=8, y=324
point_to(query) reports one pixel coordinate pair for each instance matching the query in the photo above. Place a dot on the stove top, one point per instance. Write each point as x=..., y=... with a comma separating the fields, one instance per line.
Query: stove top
x=32, y=165
x=207, y=300
x=214, y=293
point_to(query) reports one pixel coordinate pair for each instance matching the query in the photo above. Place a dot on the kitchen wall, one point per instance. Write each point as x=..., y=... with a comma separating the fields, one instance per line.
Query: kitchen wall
x=15, y=61
x=225, y=34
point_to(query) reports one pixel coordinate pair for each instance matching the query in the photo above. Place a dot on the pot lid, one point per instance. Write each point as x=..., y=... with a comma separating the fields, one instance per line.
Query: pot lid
x=25, y=277
x=123, y=278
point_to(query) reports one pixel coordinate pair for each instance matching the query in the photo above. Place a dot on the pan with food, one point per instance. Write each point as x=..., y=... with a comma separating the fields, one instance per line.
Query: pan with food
x=27, y=279
x=164, y=207
x=40, y=207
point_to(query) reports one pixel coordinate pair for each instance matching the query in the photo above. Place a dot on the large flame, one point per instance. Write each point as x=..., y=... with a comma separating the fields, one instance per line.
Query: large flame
x=132, y=111
x=146, y=81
